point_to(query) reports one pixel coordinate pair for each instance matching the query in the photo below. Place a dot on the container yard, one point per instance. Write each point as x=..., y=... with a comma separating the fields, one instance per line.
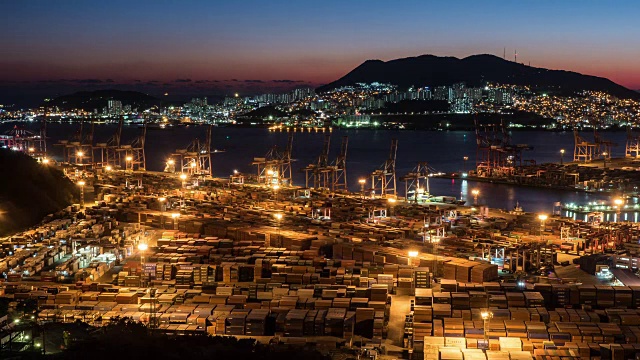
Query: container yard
x=187, y=254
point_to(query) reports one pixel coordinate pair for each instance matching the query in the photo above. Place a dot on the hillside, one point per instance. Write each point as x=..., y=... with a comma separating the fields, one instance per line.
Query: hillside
x=29, y=191
x=264, y=112
x=476, y=70
x=90, y=100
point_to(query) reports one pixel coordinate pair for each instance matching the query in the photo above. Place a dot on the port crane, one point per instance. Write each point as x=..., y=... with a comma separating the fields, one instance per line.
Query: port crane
x=632, y=148
x=383, y=180
x=318, y=173
x=133, y=152
x=412, y=182
x=109, y=155
x=195, y=159
x=28, y=142
x=583, y=150
x=275, y=167
x=339, y=167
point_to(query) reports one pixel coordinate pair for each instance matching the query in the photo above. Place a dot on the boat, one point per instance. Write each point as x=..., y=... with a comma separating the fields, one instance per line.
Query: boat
x=517, y=210
x=157, y=126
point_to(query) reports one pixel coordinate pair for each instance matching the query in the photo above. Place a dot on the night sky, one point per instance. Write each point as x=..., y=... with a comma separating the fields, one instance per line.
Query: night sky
x=220, y=47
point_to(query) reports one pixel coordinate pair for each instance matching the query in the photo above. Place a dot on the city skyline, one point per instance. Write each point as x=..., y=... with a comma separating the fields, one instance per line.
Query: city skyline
x=206, y=48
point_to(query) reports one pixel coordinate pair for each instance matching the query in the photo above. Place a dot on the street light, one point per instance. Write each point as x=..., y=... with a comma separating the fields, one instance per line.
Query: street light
x=45, y=161
x=143, y=248
x=129, y=159
x=486, y=317
x=174, y=217
x=412, y=255
x=278, y=217
x=392, y=202
x=464, y=167
x=561, y=156
x=619, y=202
x=604, y=156
x=79, y=155
x=108, y=168
x=542, y=218
x=475, y=193
x=362, y=182
x=81, y=183
x=162, y=200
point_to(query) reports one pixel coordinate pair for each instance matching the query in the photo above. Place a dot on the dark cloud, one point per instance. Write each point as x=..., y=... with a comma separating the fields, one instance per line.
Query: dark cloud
x=182, y=80
x=154, y=81
x=286, y=81
x=137, y=80
x=89, y=81
x=234, y=79
x=254, y=81
x=109, y=81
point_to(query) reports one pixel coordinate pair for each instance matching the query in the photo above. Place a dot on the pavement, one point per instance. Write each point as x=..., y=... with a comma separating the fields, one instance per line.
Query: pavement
x=400, y=307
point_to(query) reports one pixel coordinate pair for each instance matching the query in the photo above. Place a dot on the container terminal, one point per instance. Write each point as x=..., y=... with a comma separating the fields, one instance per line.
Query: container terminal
x=593, y=167
x=374, y=272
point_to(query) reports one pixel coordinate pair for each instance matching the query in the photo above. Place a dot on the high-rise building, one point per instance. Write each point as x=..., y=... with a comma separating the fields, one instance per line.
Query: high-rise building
x=114, y=107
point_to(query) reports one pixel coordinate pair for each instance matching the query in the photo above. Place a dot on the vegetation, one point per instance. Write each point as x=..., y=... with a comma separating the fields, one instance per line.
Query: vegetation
x=29, y=191
x=131, y=340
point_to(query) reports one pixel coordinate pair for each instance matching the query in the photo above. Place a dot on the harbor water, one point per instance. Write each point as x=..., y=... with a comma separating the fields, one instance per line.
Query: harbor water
x=444, y=151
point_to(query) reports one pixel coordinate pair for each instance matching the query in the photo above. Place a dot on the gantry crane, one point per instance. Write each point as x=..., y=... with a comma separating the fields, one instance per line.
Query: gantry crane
x=133, y=153
x=339, y=167
x=195, y=159
x=317, y=173
x=632, y=148
x=603, y=147
x=275, y=167
x=583, y=150
x=29, y=142
x=109, y=154
x=412, y=186
x=72, y=148
x=383, y=180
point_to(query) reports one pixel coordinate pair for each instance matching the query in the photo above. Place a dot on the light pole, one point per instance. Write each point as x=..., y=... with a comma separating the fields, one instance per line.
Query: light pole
x=81, y=183
x=45, y=161
x=561, y=156
x=174, y=217
x=278, y=217
x=475, y=193
x=392, y=202
x=276, y=187
x=434, y=243
x=604, y=157
x=183, y=177
x=129, y=160
x=142, y=247
x=108, y=168
x=542, y=218
x=362, y=182
x=162, y=200
x=171, y=166
x=412, y=255
x=79, y=155
x=486, y=317
x=464, y=166
x=619, y=202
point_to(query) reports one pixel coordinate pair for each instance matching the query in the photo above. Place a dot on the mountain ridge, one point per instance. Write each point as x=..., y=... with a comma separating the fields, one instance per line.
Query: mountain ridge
x=474, y=70
x=97, y=99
